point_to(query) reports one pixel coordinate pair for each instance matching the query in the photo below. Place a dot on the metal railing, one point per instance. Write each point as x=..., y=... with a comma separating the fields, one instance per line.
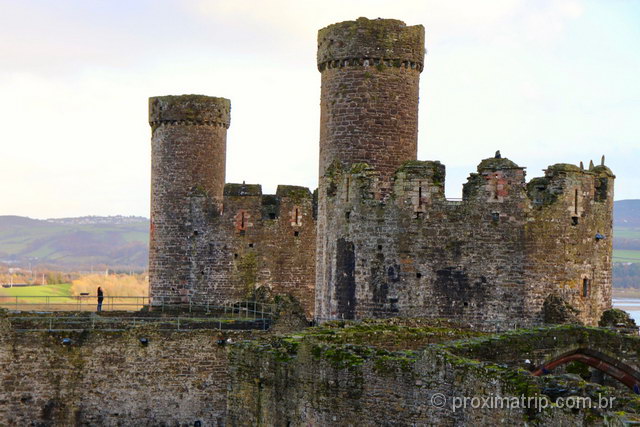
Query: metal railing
x=72, y=303
x=93, y=322
x=84, y=303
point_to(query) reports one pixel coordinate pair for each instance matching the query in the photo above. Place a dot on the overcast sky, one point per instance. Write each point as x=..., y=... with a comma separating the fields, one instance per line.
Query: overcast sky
x=544, y=81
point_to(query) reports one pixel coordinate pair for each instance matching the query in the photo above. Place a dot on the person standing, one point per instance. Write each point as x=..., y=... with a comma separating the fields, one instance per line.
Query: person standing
x=100, y=298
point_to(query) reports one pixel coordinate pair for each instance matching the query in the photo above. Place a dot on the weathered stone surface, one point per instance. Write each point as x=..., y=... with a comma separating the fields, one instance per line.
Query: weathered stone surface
x=387, y=241
x=110, y=378
x=347, y=375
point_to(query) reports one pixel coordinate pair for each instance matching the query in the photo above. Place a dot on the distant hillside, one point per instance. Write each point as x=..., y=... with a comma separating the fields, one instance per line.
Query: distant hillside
x=75, y=243
x=627, y=213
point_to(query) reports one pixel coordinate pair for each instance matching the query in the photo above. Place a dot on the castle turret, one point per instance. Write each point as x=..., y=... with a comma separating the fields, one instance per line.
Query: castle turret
x=369, y=114
x=188, y=145
x=369, y=102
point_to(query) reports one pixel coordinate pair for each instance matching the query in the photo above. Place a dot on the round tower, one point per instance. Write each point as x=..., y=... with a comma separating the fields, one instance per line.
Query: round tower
x=369, y=114
x=369, y=100
x=188, y=155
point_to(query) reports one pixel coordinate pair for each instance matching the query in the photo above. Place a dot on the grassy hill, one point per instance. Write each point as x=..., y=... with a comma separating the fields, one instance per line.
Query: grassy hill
x=116, y=242
x=626, y=231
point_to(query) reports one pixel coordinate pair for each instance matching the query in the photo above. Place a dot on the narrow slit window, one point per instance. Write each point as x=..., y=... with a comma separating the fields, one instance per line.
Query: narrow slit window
x=420, y=194
x=348, y=183
x=586, y=287
x=575, y=202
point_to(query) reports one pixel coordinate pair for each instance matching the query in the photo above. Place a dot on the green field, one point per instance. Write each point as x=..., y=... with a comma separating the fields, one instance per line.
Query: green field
x=48, y=294
x=622, y=255
x=626, y=232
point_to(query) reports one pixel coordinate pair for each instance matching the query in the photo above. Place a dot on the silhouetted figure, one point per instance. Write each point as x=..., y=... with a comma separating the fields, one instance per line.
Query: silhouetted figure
x=100, y=298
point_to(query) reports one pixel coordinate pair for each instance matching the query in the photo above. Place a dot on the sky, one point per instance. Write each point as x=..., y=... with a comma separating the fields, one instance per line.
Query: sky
x=544, y=81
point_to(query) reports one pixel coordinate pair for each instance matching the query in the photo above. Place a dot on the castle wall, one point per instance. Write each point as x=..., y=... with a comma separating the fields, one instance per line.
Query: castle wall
x=304, y=382
x=110, y=378
x=569, y=239
x=213, y=243
x=265, y=243
x=490, y=260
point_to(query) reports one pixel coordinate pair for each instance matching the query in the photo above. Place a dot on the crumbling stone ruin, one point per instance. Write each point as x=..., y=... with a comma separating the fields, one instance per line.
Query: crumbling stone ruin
x=379, y=238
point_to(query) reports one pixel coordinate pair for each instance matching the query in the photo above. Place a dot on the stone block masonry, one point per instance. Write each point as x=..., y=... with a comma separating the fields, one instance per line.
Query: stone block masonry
x=378, y=239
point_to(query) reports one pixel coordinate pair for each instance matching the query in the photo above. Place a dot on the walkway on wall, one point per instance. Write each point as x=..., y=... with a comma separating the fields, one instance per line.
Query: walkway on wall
x=28, y=313
x=115, y=323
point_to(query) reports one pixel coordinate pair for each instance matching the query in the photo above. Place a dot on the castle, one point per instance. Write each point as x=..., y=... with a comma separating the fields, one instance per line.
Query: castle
x=378, y=238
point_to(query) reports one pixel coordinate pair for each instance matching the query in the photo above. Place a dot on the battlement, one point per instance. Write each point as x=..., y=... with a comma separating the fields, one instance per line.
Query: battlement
x=189, y=110
x=497, y=180
x=243, y=189
x=375, y=42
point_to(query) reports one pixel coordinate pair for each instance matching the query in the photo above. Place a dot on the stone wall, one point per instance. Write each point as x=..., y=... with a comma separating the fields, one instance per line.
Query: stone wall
x=321, y=378
x=216, y=243
x=491, y=259
x=111, y=378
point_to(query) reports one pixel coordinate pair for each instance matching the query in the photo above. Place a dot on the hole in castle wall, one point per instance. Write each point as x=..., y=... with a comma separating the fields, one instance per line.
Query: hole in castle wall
x=296, y=233
x=418, y=275
x=195, y=233
x=347, y=216
x=574, y=220
x=235, y=255
x=250, y=245
x=272, y=215
x=586, y=287
x=379, y=247
x=495, y=216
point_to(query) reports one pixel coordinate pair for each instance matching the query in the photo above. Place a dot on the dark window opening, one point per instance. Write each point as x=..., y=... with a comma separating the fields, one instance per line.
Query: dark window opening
x=601, y=189
x=419, y=194
x=575, y=202
x=586, y=287
x=296, y=233
x=495, y=216
x=347, y=215
x=418, y=275
x=272, y=215
x=235, y=255
x=379, y=247
x=242, y=220
x=574, y=220
x=348, y=182
x=195, y=233
x=466, y=304
x=418, y=215
x=250, y=245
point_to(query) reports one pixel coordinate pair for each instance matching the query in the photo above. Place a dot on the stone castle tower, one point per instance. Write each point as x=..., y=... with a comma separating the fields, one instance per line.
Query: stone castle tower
x=380, y=239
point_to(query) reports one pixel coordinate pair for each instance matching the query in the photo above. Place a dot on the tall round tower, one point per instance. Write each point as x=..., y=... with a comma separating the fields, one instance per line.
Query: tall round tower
x=369, y=114
x=188, y=155
x=369, y=100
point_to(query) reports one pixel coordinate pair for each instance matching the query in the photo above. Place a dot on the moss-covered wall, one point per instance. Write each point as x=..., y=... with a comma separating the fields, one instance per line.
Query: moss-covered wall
x=331, y=376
